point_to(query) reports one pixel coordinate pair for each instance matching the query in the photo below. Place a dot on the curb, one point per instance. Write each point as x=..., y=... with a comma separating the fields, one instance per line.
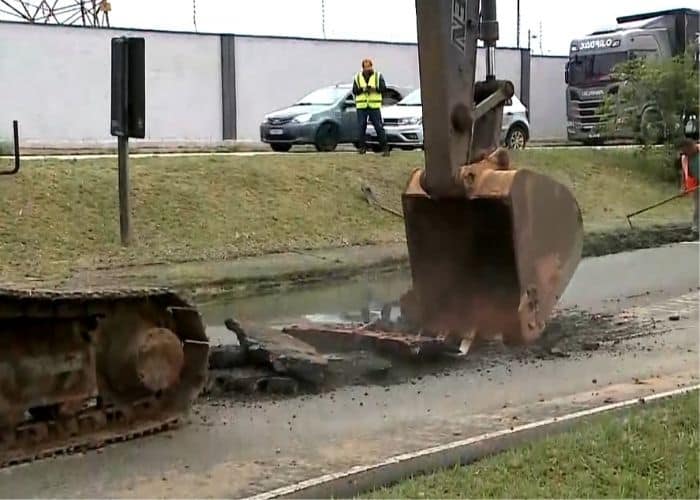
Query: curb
x=363, y=478
x=595, y=244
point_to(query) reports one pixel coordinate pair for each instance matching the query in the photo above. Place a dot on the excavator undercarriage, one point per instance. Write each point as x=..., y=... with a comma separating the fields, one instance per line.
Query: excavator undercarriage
x=82, y=369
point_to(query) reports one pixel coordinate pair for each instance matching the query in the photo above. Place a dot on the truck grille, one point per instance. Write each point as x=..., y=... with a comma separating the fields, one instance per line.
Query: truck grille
x=391, y=121
x=586, y=112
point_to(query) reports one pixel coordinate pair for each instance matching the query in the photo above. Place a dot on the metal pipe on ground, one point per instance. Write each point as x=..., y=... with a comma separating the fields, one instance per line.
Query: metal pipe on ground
x=15, y=137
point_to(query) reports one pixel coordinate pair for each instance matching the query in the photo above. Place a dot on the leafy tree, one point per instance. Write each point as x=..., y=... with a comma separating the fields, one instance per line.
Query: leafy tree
x=655, y=98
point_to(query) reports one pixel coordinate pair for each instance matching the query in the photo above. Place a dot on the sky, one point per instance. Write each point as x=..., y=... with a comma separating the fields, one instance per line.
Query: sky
x=556, y=21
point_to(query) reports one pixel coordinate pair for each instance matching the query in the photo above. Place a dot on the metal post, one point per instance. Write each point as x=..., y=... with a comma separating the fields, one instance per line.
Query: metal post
x=15, y=140
x=124, y=209
x=518, y=23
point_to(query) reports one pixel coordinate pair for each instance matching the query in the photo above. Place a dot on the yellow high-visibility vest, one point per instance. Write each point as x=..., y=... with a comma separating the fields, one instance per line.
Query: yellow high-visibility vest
x=373, y=99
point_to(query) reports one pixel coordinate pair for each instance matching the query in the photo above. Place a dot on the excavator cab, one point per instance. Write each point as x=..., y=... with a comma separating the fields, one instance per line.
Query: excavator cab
x=491, y=247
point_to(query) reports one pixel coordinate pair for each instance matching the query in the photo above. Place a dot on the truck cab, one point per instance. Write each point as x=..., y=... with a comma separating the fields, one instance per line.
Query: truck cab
x=593, y=58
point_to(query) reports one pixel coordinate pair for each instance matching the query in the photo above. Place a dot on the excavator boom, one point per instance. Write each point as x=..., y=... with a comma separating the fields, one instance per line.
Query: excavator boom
x=491, y=248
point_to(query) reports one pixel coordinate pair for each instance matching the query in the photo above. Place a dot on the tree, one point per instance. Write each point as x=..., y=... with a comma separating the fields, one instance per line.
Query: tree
x=655, y=98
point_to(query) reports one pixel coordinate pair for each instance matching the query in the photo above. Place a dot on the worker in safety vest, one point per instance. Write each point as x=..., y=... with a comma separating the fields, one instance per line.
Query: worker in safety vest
x=368, y=88
x=690, y=175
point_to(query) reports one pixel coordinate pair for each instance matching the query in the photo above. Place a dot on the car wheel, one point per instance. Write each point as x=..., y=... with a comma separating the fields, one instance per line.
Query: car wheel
x=516, y=137
x=280, y=147
x=326, y=137
x=376, y=148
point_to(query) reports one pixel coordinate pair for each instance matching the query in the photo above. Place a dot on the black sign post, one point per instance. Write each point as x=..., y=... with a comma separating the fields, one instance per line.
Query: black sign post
x=128, y=114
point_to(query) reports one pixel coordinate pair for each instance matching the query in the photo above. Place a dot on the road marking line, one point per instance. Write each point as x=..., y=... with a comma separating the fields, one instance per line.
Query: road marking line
x=366, y=477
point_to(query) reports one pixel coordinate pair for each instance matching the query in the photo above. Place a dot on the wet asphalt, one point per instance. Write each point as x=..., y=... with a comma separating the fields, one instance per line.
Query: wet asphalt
x=234, y=448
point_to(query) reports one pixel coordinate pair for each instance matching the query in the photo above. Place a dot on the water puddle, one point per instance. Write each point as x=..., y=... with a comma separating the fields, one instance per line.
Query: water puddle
x=340, y=302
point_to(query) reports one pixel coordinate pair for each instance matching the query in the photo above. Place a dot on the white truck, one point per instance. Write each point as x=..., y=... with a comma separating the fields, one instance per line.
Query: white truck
x=592, y=58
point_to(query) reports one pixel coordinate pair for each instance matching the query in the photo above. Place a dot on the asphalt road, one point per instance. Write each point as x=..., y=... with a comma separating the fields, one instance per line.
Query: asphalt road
x=235, y=449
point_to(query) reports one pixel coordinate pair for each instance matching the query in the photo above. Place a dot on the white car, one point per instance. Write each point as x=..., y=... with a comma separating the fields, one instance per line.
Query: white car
x=403, y=124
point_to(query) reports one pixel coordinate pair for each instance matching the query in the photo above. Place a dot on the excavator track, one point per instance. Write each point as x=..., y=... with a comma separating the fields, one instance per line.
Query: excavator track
x=83, y=369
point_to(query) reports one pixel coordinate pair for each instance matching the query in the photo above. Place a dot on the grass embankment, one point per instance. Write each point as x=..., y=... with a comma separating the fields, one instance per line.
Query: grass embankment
x=649, y=453
x=59, y=215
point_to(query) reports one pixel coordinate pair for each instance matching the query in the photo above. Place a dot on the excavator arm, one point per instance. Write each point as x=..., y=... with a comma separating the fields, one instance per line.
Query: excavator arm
x=461, y=117
x=491, y=248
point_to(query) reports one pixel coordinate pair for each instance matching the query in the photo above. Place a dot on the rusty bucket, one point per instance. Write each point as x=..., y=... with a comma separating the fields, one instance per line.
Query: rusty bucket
x=494, y=260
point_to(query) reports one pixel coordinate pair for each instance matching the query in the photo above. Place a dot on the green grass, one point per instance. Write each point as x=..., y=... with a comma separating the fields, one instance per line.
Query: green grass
x=649, y=453
x=60, y=215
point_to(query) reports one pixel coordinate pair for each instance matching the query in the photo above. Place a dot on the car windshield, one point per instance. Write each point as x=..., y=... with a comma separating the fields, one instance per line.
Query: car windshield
x=593, y=68
x=323, y=97
x=412, y=99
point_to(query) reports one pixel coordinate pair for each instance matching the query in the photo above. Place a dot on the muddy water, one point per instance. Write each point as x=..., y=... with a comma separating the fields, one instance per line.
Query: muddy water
x=331, y=303
x=600, y=283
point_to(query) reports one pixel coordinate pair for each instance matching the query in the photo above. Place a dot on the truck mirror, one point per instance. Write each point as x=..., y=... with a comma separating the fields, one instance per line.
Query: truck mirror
x=566, y=73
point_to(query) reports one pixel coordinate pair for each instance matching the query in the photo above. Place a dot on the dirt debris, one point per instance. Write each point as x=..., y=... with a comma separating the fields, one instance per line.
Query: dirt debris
x=271, y=362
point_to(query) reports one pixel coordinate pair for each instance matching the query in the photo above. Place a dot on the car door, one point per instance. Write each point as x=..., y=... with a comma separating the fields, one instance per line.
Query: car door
x=348, y=119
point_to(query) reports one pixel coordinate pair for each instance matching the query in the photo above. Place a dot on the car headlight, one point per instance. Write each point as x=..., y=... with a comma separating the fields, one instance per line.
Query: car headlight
x=305, y=118
x=411, y=121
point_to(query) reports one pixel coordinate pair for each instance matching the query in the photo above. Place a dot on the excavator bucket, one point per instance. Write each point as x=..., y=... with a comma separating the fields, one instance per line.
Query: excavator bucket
x=493, y=261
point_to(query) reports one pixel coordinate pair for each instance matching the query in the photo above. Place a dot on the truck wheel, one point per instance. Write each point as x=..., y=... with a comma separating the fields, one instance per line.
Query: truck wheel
x=516, y=138
x=326, y=137
x=650, y=127
x=280, y=147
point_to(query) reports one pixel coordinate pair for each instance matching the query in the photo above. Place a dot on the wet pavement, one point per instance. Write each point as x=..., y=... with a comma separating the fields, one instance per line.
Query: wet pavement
x=600, y=284
x=235, y=448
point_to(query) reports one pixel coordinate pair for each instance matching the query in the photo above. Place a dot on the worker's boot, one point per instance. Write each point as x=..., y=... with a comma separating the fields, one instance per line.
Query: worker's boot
x=386, y=151
x=362, y=150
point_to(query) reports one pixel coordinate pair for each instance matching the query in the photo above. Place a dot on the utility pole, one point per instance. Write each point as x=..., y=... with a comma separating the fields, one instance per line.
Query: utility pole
x=194, y=14
x=518, y=24
x=323, y=18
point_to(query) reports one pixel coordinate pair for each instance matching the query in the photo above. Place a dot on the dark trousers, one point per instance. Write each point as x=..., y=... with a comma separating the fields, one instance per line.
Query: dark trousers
x=375, y=116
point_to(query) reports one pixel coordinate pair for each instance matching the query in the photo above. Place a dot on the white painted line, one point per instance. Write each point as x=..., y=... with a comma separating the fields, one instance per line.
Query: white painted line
x=363, y=478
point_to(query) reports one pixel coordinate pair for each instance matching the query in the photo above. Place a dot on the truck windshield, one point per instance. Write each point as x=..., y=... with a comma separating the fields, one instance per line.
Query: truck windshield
x=594, y=67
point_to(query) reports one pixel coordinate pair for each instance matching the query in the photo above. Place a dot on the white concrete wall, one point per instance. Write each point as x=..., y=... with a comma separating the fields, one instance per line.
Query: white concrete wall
x=273, y=73
x=56, y=82
x=547, y=98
